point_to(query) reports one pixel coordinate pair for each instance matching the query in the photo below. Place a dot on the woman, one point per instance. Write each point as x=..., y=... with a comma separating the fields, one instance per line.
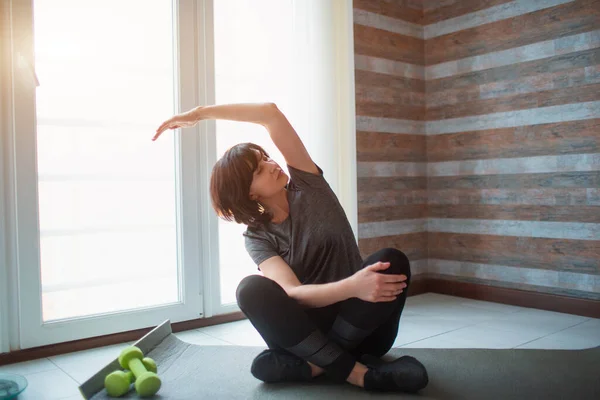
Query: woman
x=318, y=305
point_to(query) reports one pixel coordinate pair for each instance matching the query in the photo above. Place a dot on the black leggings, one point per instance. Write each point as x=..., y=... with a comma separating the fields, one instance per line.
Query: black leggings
x=331, y=337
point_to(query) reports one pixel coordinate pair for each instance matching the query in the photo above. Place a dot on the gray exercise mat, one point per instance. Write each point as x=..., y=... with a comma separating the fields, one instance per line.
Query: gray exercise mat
x=223, y=372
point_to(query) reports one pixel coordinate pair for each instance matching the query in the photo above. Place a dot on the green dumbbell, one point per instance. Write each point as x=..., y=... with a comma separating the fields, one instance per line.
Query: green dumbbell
x=117, y=383
x=147, y=383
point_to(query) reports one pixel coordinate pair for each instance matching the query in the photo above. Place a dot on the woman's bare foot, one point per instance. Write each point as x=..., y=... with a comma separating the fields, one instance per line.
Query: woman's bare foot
x=357, y=375
x=316, y=371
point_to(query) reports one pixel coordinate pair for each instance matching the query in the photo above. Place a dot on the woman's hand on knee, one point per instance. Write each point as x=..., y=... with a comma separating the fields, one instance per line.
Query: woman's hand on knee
x=370, y=285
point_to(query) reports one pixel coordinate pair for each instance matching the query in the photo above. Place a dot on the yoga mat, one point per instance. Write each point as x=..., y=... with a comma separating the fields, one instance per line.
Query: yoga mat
x=223, y=372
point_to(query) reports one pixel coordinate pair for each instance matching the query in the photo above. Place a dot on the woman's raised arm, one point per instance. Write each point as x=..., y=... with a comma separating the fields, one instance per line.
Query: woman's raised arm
x=282, y=133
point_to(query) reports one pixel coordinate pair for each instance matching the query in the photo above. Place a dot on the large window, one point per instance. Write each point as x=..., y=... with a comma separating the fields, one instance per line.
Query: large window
x=107, y=195
x=105, y=230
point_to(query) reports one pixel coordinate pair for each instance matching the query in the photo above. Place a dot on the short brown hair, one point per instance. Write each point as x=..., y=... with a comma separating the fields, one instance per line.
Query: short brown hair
x=230, y=186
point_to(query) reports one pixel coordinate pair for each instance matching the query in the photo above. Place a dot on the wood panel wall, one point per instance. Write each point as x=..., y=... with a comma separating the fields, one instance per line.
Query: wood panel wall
x=391, y=141
x=493, y=177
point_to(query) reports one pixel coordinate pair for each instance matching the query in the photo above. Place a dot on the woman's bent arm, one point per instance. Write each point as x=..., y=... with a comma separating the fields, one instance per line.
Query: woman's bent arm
x=321, y=295
x=318, y=295
x=367, y=284
x=280, y=130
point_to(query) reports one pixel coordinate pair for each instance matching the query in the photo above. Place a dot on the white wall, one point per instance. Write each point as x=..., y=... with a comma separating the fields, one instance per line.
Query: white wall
x=4, y=129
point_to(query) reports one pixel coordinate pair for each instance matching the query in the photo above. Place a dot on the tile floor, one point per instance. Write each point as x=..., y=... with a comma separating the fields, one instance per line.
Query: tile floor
x=429, y=320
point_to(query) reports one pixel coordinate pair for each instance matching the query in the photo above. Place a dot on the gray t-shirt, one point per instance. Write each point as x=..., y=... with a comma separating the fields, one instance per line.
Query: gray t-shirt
x=316, y=239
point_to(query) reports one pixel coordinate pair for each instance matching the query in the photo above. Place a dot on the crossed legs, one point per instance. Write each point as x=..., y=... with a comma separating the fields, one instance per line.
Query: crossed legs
x=354, y=327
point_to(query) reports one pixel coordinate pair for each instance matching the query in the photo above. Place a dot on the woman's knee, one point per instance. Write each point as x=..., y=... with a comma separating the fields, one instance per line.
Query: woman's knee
x=256, y=290
x=399, y=263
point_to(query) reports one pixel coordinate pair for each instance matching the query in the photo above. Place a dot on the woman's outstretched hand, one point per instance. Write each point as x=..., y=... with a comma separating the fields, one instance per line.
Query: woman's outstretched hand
x=372, y=286
x=183, y=120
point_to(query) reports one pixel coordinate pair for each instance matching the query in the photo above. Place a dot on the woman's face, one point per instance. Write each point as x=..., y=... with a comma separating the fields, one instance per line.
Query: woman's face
x=268, y=179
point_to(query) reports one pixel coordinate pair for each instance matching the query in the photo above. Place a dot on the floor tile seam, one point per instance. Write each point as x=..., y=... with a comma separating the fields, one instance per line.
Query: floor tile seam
x=553, y=333
x=37, y=372
x=215, y=337
x=580, y=322
x=66, y=373
x=439, y=334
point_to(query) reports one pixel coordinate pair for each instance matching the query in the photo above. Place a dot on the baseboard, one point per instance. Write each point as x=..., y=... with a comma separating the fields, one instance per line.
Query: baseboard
x=107, y=340
x=515, y=297
x=420, y=284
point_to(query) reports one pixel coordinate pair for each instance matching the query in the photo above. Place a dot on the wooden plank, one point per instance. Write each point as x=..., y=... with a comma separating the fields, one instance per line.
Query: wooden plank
x=542, y=253
x=375, y=42
x=376, y=79
x=518, y=102
x=378, y=146
x=508, y=119
x=446, y=9
x=392, y=198
x=563, y=20
x=366, y=94
x=535, y=196
x=375, y=184
x=572, y=137
x=390, y=110
x=406, y=10
x=414, y=245
x=582, y=285
x=522, y=212
x=579, y=179
x=390, y=169
x=375, y=214
x=567, y=78
x=579, y=59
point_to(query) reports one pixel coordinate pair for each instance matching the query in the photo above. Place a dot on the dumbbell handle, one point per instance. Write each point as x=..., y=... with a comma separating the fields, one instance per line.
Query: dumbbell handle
x=137, y=367
x=148, y=364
